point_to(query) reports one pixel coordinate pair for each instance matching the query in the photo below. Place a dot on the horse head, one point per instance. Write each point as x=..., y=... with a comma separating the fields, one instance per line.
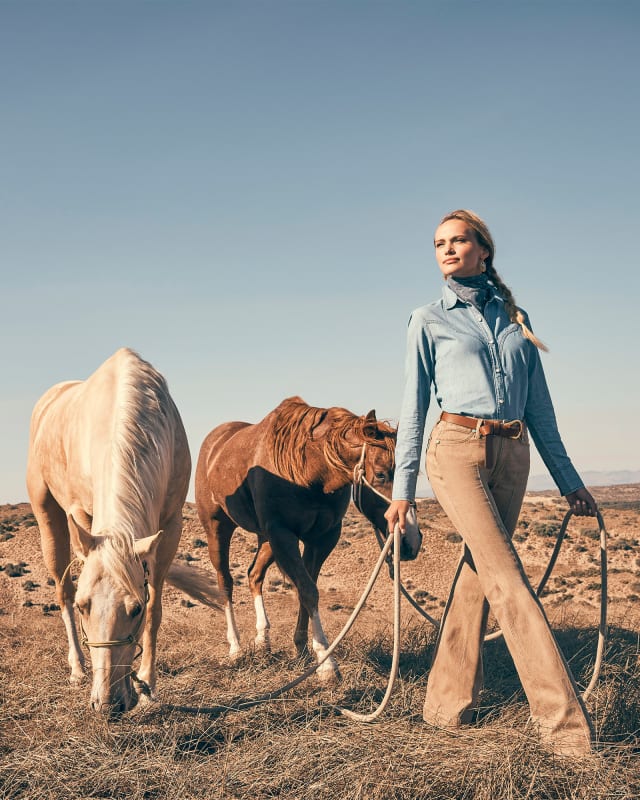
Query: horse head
x=373, y=482
x=111, y=599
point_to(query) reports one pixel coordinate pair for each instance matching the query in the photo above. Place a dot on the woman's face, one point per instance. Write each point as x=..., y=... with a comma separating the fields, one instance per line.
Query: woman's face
x=457, y=250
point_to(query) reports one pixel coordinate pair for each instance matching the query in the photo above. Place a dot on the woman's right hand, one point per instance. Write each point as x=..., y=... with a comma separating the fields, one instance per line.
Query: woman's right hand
x=397, y=512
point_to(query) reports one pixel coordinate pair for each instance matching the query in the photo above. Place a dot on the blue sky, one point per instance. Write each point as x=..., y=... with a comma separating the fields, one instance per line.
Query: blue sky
x=246, y=193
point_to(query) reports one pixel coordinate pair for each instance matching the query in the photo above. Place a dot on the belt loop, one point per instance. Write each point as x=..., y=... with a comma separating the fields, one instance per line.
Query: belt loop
x=477, y=434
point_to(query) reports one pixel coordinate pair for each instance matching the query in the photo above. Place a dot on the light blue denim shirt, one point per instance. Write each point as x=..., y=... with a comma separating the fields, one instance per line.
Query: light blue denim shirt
x=481, y=366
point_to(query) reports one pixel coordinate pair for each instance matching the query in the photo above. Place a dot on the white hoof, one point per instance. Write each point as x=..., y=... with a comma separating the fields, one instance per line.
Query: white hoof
x=328, y=671
x=235, y=655
x=262, y=644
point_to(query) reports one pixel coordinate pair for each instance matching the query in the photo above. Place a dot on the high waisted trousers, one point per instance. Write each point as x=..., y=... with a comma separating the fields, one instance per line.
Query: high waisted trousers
x=483, y=502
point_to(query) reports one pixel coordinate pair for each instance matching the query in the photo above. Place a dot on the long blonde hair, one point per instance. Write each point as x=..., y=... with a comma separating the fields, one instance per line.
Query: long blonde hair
x=485, y=240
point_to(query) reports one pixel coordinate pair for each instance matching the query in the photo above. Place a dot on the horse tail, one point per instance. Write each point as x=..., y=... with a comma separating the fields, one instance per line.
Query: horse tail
x=197, y=584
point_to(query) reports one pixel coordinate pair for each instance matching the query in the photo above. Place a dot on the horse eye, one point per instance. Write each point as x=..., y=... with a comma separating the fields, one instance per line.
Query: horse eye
x=135, y=610
x=381, y=476
x=83, y=608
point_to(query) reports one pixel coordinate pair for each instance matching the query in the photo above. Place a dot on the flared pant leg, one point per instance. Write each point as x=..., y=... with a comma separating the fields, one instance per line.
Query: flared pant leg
x=483, y=504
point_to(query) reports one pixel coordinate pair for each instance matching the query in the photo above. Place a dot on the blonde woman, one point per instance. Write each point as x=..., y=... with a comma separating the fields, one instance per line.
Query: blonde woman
x=477, y=349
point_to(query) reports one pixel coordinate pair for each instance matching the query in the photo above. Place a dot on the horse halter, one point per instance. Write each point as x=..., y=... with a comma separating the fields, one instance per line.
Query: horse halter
x=360, y=480
x=132, y=638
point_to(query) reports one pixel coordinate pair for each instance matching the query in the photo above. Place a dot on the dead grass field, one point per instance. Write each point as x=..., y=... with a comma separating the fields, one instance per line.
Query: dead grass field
x=190, y=745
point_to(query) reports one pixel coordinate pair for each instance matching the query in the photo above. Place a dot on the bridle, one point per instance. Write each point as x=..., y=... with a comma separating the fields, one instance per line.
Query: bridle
x=132, y=638
x=360, y=480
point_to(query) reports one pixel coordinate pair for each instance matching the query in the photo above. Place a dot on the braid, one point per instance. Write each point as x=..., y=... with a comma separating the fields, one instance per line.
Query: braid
x=515, y=314
x=485, y=239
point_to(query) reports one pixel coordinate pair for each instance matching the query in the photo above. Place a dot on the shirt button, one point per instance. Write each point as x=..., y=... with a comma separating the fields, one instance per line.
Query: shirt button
x=499, y=402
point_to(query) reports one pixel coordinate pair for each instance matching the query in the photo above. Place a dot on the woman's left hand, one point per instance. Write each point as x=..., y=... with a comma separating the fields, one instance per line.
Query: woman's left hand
x=582, y=503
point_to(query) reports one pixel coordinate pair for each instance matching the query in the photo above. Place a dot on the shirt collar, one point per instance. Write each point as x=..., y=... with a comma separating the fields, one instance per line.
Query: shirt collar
x=450, y=298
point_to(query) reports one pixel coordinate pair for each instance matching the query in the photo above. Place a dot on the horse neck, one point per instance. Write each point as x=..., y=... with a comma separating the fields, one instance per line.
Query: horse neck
x=133, y=472
x=338, y=461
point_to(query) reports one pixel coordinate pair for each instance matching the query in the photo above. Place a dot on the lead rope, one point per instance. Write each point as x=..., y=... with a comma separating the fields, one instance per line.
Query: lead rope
x=602, y=627
x=385, y=547
x=394, y=540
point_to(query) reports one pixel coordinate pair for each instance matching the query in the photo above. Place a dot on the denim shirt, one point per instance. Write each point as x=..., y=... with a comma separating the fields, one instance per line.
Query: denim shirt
x=481, y=366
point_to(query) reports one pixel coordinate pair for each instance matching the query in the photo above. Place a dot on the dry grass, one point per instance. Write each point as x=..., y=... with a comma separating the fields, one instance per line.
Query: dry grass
x=188, y=746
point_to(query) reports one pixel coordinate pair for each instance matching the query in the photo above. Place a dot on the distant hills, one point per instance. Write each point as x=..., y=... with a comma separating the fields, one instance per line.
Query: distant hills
x=540, y=483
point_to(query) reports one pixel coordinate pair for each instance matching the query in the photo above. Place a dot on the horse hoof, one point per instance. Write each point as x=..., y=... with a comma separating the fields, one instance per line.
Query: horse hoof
x=329, y=672
x=77, y=680
x=235, y=656
x=145, y=701
x=262, y=646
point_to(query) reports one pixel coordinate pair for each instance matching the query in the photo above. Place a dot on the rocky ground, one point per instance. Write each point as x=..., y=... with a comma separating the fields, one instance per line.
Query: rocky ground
x=572, y=594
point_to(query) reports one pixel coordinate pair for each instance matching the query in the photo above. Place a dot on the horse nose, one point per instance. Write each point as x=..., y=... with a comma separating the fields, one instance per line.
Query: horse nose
x=111, y=710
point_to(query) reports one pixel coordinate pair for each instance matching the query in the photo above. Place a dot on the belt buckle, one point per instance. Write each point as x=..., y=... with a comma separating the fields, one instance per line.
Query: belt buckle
x=518, y=435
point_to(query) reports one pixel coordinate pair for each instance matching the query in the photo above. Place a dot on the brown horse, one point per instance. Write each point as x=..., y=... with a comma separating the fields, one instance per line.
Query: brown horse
x=107, y=474
x=288, y=479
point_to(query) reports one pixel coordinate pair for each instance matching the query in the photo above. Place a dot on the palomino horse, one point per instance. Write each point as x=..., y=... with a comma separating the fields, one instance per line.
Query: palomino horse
x=108, y=473
x=288, y=479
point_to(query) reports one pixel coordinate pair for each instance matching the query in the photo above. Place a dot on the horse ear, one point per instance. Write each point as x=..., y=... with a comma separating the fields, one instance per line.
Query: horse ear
x=81, y=540
x=146, y=548
x=318, y=428
x=370, y=427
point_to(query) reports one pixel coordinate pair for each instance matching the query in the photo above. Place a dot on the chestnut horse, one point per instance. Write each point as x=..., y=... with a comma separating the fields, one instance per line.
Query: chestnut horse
x=288, y=479
x=107, y=474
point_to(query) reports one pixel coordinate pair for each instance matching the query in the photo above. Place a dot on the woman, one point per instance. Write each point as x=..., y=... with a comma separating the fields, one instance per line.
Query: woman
x=477, y=349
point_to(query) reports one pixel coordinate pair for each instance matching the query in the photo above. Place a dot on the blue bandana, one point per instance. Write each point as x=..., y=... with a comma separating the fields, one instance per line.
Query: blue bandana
x=475, y=289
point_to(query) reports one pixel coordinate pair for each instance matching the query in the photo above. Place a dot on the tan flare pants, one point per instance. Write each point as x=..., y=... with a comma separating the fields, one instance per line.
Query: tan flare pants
x=483, y=503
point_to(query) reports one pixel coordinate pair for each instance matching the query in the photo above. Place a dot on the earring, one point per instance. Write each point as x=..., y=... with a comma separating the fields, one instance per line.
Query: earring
x=483, y=266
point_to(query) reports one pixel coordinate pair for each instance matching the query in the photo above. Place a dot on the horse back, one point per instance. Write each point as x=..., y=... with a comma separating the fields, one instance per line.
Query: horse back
x=235, y=473
x=81, y=436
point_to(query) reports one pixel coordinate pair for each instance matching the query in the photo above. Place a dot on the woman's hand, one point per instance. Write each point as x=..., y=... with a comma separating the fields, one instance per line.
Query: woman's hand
x=397, y=512
x=581, y=503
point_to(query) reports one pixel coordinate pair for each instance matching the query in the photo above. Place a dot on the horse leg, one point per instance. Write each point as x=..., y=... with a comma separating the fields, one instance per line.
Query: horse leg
x=285, y=550
x=54, y=539
x=219, y=529
x=313, y=557
x=256, y=574
x=164, y=555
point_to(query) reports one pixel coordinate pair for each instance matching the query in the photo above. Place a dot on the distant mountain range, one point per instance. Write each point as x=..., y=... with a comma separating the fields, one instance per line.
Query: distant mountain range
x=539, y=483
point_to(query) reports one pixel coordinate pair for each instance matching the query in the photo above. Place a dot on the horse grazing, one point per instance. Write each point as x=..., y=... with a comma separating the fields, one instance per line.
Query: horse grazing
x=288, y=479
x=107, y=473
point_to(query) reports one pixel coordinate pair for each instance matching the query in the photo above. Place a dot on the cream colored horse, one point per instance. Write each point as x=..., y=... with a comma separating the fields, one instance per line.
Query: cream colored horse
x=107, y=475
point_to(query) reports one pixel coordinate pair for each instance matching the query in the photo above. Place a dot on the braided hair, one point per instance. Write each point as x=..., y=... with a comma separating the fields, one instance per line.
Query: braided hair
x=484, y=239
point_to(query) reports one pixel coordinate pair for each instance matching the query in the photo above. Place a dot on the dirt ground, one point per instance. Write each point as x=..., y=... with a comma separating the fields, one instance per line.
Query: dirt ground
x=572, y=595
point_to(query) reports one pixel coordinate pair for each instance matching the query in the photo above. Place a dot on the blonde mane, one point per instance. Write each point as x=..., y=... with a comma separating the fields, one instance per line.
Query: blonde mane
x=121, y=561
x=293, y=430
x=142, y=444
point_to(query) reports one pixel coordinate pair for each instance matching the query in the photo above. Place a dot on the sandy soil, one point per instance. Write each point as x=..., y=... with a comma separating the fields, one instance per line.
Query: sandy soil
x=572, y=596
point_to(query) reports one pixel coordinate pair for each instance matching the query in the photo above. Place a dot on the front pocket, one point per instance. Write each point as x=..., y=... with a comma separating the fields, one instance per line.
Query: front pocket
x=450, y=433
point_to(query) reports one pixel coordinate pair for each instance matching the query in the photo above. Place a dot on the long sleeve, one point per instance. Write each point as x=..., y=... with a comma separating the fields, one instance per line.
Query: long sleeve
x=413, y=414
x=541, y=421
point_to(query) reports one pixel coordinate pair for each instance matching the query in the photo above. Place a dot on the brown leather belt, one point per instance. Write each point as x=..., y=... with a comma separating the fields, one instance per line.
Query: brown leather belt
x=487, y=427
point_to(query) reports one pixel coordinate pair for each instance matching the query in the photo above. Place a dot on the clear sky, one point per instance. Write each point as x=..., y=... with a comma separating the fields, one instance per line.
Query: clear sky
x=246, y=194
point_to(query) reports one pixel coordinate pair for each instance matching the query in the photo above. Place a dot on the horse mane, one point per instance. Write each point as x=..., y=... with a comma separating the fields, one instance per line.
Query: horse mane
x=119, y=559
x=293, y=429
x=142, y=443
